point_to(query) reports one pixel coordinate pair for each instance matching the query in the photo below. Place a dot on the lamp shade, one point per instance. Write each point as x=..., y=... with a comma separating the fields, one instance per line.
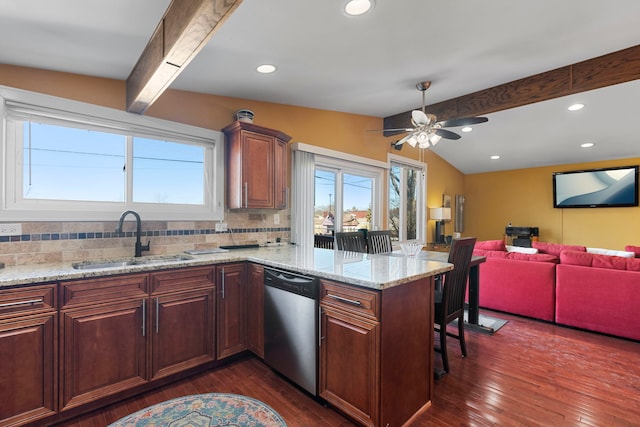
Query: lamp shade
x=439, y=214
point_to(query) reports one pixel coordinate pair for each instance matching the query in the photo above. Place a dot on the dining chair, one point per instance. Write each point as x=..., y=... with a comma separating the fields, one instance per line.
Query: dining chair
x=449, y=300
x=379, y=242
x=352, y=241
x=322, y=241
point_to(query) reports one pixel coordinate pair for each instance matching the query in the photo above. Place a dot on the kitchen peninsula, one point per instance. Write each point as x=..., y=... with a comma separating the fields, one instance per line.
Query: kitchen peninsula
x=376, y=326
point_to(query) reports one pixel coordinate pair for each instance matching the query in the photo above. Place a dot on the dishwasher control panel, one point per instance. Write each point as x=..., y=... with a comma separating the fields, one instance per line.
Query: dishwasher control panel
x=292, y=282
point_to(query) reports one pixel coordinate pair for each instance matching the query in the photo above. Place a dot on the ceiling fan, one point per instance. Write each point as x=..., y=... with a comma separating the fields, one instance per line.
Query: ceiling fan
x=427, y=130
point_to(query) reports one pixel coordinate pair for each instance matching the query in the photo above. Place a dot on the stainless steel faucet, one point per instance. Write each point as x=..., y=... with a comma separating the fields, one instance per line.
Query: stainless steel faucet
x=139, y=246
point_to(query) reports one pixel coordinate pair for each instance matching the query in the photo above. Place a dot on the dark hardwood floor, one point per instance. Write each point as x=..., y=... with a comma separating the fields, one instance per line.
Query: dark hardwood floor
x=529, y=373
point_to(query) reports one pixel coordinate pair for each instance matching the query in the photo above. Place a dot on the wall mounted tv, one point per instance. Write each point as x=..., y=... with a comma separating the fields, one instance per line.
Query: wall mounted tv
x=595, y=188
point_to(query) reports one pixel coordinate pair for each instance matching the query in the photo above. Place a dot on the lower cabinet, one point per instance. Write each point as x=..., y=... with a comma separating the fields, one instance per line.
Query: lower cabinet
x=231, y=308
x=103, y=336
x=350, y=352
x=124, y=331
x=182, y=320
x=28, y=354
x=255, y=309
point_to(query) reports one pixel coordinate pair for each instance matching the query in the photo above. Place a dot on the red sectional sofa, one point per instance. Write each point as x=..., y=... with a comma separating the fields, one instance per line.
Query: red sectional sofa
x=563, y=284
x=599, y=292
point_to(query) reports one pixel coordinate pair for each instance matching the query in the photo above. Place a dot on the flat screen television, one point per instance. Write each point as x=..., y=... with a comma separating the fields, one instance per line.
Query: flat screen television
x=594, y=188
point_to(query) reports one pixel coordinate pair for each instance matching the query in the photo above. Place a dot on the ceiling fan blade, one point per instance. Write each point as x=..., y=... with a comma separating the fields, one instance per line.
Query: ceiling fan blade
x=419, y=118
x=447, y=134
x=403, y=140
x=391, y=130
x=463, y=121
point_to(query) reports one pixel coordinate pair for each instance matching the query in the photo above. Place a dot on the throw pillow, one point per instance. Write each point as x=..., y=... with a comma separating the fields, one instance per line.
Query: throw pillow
x=608, y=261
x=533, y=257
x=491, y=245
x=601, y=251
x=555, y=248
x=576, y=258
x=634, y=249
x=633, y=264
x=521, y=249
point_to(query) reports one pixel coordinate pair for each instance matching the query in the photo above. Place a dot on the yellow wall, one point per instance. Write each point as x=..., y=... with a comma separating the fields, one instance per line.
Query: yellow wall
x=347, y=133
x=524, y=197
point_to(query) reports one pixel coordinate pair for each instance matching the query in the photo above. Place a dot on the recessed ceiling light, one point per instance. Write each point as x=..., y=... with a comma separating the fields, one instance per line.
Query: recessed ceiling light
x=495, y=157
x=575, y=107
x=266, y=68
x=587, y=145
x=466, y=129
x=358, y=7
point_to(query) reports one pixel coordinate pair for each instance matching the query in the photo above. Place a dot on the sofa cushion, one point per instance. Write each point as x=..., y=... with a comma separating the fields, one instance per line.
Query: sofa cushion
x=533, y=257
x=601, y=251
x=633, y=264
x=634, y=249
x=491, y=245
x=576, y=258
x=490, y=254
x=556, y=248
x=521, y=249
x=608, y=261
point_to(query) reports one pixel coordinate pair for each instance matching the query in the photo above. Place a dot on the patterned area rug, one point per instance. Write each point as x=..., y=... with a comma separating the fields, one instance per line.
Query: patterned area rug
x=205, y=410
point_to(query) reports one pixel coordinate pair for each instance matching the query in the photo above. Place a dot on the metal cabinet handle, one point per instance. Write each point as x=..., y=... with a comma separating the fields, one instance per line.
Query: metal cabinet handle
x=222, y=290
x=246, y=195
x=347, y=300
x=320, y=337
x=144, y=317
x=157, y=314
x=19, y=303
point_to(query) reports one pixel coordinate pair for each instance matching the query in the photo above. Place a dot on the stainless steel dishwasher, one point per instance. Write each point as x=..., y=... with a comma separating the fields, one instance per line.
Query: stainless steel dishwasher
x=291, y=326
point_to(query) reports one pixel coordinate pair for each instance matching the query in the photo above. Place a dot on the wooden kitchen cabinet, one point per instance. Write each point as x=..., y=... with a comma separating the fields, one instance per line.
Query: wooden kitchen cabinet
x=231, y=309
x=256, y=167
x=376, y=351
x=182, y=320
x=350, y=351
x=103, y=335
x=255, y=309
x=28, y=354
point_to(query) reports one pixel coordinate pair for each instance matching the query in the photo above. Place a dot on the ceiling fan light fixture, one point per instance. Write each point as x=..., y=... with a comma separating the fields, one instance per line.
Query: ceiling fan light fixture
x=358, y=7
x=412, y=141
x=434, y=139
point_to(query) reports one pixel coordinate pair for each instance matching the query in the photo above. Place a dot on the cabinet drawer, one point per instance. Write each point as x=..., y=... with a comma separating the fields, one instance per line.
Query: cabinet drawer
x=181, y=280
x=106, y=289
x=360, y=301
x=28, y=299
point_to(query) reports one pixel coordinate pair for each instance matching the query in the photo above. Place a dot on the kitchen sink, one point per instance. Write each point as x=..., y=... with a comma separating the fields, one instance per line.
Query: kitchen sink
x=119, y=263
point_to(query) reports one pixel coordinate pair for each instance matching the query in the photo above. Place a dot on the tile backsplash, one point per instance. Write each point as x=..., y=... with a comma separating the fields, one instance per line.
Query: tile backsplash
x=50, y=242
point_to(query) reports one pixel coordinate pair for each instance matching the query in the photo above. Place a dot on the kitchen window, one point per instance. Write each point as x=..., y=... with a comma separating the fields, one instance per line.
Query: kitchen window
x=406, y=217
x=68, y=160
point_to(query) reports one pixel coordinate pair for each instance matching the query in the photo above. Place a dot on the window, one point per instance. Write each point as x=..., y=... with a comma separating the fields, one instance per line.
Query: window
x=406, y=216
x=73, y=161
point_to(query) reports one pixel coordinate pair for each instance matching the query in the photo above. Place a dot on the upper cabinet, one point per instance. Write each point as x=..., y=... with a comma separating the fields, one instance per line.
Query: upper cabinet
x=256, y=166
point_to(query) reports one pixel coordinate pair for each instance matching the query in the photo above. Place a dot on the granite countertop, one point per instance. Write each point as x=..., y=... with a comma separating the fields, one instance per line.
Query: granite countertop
x=368, y=270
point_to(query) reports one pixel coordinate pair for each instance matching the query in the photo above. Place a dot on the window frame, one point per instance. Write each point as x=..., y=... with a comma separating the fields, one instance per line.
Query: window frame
x=421, y=218
x=54, y=110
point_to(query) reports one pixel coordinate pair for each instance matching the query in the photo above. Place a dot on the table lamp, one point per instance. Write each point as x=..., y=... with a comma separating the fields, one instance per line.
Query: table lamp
x=440, y=215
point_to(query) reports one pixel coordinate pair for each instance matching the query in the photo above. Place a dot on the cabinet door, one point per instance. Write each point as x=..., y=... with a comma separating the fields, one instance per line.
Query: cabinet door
x=231, y=309
x=349, y=364
x=104, y=350
x=255, y=309
x=257, y=170
x=182, y=331
x=27, y=369
x=280, y=174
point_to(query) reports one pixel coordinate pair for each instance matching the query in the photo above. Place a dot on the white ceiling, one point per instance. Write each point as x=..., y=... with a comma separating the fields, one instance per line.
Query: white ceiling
x=370, y=64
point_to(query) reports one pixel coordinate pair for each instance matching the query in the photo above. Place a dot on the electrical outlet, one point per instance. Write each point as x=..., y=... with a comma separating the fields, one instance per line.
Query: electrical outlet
x=221, y=226
x=276, y=219
x=10, y=229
